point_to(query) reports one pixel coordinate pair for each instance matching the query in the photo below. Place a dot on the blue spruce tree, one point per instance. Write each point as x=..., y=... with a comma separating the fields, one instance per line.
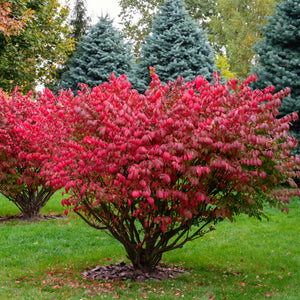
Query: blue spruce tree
x=99, y=53
x=175, y=47
x=278, y=57
x=278, y=54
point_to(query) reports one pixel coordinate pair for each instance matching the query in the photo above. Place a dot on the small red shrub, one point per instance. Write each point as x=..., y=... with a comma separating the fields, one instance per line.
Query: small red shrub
x=28, y=132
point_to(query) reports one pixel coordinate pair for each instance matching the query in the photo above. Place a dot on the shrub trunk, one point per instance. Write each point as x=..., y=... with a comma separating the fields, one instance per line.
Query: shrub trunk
x=31, y=200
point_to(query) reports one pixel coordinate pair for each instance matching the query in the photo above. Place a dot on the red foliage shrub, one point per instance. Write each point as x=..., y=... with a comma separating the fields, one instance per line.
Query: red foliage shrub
x=26, y=129
x=156, y=169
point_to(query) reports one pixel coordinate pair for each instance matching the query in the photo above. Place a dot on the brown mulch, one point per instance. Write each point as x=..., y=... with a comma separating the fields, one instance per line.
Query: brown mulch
x=124, y=272
x=33, y=219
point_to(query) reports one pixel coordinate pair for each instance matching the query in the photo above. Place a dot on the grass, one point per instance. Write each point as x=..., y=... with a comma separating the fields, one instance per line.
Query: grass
x=243, y=260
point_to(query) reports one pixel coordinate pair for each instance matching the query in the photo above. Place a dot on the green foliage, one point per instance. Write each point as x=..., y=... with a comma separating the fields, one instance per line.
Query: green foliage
x=236, y=26
x=41, y=47
x=12, y=25
x=175, y=47
x=79, y=25
x=98, y=54
x=79, y=21
x=232, y=25
x=137, y=16
x=278, y=57
x=223, y=67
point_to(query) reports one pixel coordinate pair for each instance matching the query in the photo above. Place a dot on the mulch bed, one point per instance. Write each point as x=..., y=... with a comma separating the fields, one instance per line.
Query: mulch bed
x=35, y=218
x=124, y=272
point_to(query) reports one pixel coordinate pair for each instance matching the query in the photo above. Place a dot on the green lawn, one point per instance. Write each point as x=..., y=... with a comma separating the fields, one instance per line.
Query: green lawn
x=243, y=260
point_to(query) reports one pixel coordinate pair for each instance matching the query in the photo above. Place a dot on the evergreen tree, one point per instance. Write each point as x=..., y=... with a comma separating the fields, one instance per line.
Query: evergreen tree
x=79, y=21
x=98, y=54
x=137, y=16
x=175, y=47
x=278, y=56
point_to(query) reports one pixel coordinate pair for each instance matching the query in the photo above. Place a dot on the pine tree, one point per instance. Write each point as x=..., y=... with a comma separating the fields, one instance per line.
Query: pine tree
x=175, y=47
x=79, y=21
x=137, y=16
x=98, y=54
x=278, y=56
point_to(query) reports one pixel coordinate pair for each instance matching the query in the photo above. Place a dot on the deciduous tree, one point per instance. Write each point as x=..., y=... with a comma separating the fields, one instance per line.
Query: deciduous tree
x=223, y=67
x=235, y=27
x=10, y=25
x=32, y=56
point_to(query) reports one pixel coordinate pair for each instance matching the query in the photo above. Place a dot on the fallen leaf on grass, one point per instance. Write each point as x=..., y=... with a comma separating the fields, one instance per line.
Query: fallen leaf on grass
x=56, y=286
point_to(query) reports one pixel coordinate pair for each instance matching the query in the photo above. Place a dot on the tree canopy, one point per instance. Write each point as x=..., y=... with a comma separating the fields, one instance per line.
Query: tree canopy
x=232, y=26
x=99, y=53
x=236, y=27
x=137, y=16
x=12, y=25
x=278, y=56
x=43, y=44
x=79, y=20
x=175, y=47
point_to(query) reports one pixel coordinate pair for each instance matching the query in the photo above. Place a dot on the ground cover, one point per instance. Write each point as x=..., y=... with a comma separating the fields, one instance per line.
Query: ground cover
x=243, y=260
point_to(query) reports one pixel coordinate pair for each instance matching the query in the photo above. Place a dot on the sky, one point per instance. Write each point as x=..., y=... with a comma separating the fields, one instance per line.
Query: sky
x=96, y=8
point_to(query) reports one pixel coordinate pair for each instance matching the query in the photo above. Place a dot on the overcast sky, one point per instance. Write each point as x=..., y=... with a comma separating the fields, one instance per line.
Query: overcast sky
x=96, y=8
